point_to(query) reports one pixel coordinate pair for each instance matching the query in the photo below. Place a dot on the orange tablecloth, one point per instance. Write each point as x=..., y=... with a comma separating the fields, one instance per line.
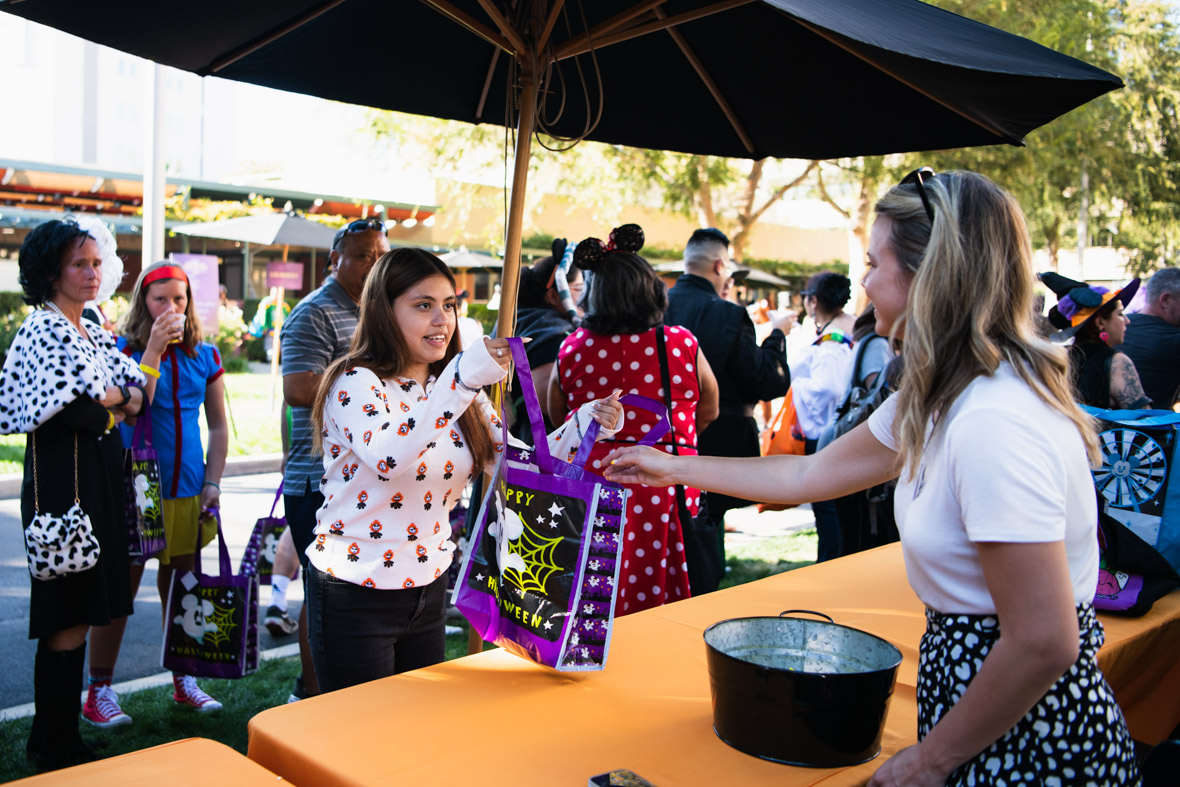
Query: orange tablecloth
x=195, y=761
x=496, y=719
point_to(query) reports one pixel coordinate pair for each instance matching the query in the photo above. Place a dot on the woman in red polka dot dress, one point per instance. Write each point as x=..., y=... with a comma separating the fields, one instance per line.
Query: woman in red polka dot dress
x=616, y=348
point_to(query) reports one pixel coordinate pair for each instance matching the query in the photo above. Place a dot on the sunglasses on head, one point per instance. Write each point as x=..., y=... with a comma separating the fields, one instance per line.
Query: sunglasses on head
x=919, y=177
x=360, y=225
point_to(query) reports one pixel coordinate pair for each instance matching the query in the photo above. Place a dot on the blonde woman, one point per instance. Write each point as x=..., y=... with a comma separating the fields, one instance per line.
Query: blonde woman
x=995, y=504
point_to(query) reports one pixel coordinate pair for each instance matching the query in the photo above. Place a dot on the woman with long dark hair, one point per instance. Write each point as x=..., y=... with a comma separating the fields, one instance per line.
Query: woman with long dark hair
x=403, y=426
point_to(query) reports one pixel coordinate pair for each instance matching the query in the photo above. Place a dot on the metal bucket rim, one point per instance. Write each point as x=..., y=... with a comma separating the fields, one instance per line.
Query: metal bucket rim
x=895, y=663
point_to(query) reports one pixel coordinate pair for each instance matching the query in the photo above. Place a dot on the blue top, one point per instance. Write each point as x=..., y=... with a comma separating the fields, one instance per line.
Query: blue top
x=175, y=414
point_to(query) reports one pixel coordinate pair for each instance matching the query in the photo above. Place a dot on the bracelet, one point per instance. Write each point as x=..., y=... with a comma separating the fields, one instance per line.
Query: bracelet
x=110, y=420
x=149, y=371
x=213, y=484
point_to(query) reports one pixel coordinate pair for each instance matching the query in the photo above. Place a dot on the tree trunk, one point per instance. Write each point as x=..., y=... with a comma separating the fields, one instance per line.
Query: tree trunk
x=704, y=195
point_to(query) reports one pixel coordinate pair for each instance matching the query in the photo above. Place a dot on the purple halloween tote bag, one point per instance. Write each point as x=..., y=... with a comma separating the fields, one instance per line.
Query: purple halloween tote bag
x=259, y=557
x=211, y=629
x=539, y=575
x=145, y=513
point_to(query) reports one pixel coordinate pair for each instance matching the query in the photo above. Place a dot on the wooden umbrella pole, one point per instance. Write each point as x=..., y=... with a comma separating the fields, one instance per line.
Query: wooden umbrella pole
x=506, y=321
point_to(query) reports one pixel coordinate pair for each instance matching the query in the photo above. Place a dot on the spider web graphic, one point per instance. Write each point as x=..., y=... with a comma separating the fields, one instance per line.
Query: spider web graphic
x=223, y=617
x=537, y=552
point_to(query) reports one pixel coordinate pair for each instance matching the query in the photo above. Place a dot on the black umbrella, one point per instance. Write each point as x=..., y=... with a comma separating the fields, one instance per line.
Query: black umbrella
x=748, y=78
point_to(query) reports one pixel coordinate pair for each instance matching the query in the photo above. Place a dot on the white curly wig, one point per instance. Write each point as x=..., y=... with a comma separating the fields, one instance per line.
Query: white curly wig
x=112, y=266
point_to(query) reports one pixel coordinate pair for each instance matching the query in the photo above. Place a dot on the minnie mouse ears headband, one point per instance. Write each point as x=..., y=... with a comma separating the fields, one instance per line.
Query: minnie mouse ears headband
x=1078, y=302
x=591, y=252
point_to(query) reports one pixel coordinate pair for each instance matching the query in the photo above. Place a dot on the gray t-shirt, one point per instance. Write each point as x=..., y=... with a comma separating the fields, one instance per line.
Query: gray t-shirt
x=318, y=332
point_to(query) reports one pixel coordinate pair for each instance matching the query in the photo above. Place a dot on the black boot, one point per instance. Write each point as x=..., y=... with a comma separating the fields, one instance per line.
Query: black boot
x=42, y=698
x=57, y=686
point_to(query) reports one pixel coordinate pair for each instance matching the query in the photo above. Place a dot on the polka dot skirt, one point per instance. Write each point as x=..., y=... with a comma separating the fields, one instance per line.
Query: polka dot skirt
x=591, y=366
x=1075, y=734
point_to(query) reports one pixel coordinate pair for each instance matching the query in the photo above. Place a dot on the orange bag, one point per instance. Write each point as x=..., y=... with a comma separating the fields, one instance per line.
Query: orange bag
x=783, y=436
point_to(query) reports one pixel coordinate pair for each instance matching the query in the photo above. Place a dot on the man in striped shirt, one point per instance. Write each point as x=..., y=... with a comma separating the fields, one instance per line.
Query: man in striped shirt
x=318, y=332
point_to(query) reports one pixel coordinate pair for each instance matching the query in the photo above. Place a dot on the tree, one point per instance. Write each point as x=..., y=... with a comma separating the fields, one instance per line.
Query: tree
x=1110, y=164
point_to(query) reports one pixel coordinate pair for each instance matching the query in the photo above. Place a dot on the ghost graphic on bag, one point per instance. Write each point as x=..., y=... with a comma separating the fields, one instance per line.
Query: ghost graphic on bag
x=269, y=547
x=195, y=620
x=142, y=501
x=507, y=527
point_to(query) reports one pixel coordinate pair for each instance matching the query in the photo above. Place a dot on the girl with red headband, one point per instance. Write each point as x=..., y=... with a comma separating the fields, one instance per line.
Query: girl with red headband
x=162, y=333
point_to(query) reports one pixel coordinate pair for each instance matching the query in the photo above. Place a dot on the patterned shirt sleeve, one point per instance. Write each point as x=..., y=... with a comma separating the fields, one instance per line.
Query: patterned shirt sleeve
x=383, y=426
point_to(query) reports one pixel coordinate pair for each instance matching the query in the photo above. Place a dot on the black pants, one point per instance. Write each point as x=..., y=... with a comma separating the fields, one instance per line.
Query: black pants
x=301, y=511
x=358, y=634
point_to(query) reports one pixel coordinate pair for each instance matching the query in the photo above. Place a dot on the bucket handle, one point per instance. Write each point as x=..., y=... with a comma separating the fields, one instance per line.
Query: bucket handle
x=828, y=618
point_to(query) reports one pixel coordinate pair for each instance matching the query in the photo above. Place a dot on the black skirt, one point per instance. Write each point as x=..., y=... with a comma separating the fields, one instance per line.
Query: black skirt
x=1074, y=735
x=103, y=593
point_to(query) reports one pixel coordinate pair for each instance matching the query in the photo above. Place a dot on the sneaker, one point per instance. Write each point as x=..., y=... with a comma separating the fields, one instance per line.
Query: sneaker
x=187, y=692
x=279, y=623
x=102, y=707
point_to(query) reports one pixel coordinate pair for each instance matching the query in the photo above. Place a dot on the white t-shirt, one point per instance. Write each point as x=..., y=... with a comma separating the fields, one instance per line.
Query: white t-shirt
x=1002, y=467
x=819, y=378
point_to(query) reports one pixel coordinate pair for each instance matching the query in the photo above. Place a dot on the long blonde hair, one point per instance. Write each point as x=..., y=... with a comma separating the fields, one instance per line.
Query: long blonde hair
x=378, y=344
x=970, y=305
x=136, y=324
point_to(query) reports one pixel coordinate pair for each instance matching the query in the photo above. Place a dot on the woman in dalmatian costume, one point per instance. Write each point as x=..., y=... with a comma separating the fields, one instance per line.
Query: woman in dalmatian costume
x=402, y=425
x=65, y=384
x=995, y=503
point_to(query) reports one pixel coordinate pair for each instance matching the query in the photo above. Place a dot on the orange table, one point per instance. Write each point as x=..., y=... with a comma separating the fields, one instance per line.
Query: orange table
x=496, y=719
x=195, y=761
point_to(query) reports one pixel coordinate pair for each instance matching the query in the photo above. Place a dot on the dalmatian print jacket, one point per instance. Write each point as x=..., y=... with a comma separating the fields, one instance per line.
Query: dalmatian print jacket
x=50, y=365
x=395, y=461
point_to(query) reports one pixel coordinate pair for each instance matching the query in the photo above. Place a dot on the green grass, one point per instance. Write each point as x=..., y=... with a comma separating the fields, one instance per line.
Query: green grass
x=158, y=720
x=254, y=426
x=746, y=562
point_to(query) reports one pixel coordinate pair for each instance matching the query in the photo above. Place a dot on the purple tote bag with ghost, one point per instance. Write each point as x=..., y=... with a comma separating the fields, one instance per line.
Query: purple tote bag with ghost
x=145, y=513
x=211, y=629
x=539, y=575
x=259, y=557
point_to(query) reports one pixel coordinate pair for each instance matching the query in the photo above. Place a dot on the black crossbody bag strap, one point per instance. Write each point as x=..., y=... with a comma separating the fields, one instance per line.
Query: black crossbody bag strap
x=681, y=503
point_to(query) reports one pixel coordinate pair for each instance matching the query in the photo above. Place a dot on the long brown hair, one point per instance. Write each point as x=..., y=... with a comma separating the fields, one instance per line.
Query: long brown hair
x=379, y=346
x=970, y=304
x=136, y=325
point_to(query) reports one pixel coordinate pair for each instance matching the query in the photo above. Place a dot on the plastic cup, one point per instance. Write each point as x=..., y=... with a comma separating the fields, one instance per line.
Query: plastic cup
x=180, y=324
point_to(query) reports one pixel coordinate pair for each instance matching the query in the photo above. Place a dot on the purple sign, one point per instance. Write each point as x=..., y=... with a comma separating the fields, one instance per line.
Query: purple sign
x=201, y=270
x=288, y=275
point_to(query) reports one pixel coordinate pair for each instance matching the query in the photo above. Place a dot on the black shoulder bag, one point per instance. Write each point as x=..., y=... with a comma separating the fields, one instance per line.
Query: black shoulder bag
x=702, y=548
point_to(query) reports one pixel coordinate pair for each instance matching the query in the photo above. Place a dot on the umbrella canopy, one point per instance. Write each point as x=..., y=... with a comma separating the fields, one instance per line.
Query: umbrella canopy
x=267, y=229
x=751, y=78
x=792, y=78
x=459, y=260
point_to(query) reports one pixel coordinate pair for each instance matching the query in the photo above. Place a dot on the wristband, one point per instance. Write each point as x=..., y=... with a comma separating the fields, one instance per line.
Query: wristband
x=213, y=484
x=110, y=420
x=149, y=371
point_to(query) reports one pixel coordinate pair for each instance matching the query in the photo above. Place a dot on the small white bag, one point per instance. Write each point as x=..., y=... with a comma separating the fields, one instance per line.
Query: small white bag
x=57, y=545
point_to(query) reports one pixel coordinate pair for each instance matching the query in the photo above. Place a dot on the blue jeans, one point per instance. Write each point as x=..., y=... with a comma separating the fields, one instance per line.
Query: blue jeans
x=827, y=521
x=358, y=634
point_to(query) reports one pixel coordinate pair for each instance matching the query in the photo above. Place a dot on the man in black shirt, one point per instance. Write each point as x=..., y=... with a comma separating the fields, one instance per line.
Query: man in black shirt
x=746, y=373
x=1153, y=339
